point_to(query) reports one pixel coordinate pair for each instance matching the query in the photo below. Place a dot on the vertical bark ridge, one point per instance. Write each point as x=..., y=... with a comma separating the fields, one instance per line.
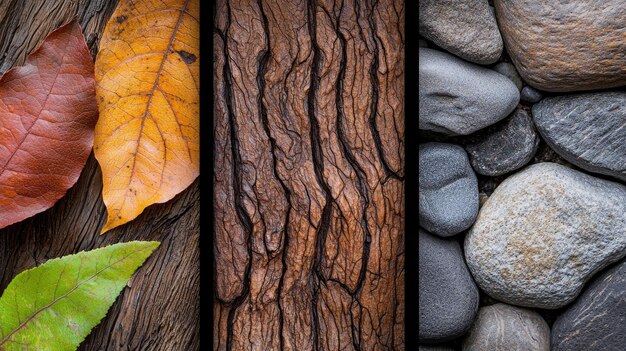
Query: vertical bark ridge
x=263, y=61
x=318, y=162
x=375, y=96
x=242, y=214
x=310, y=79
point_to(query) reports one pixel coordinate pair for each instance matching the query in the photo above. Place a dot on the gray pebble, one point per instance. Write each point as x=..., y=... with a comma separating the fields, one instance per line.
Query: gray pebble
x=510, y=72
x=503, y=147
x=448, y=189
x=508, y=328
x=531, y=95
x=466, y=28
x=543, y=233
x=458, y=97
x=596, y=321
x=587, y=130
x=448, y=297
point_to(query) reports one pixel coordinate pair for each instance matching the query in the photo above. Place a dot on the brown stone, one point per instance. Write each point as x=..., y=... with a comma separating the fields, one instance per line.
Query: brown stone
x=566, y=46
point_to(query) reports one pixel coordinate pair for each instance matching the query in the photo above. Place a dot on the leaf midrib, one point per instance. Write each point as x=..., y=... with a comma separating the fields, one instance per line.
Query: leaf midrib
x=78, y=285
x=43, y=106
x=154, y=87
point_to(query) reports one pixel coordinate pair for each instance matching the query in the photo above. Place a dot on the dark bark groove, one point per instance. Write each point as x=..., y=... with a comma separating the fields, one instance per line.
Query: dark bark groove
x=309, y=184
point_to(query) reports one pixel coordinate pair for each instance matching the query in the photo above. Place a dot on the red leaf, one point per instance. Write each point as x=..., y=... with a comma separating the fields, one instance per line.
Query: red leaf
x=48, y=113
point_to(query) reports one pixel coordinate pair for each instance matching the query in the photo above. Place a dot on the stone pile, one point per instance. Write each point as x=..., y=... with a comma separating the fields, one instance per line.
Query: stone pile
x=520, y=250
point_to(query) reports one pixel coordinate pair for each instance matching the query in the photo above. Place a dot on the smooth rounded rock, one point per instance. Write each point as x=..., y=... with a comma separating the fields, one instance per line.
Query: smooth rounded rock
x=596, y=321
x=466, y=28
x=528, y=94
x=503, y=147
x=562, y=46
x=587, y=130
x=510, y=328
x=543, y=233
x=448, y=189
x=510, y=72
x=448, y=297
x=457, y=97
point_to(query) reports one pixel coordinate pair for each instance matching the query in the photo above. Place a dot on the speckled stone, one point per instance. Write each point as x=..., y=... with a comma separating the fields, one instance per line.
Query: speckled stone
x=596, y=321
x=587, y=130
x=510, y=72
x=562, y=46
x=448, y=297
x=508, y=328
x=448, y=189
x=543, y=233
x=528, y=94
x=503, y=147
x=458, y=97
x=466, y=28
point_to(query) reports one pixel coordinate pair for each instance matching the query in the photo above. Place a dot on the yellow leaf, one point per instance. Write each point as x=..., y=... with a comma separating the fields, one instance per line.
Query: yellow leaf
x=147, y=136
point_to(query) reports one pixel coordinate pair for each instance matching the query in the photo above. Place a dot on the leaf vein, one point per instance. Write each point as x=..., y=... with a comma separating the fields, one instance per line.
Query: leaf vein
x=33, y=315
x=156, y=83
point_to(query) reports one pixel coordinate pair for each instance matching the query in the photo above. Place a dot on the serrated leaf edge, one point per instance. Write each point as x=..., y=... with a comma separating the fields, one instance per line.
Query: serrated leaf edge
x=152, y=247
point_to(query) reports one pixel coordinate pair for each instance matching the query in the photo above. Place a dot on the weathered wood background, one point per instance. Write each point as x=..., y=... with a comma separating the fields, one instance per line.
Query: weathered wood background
x=159, y=309
x=309, y=175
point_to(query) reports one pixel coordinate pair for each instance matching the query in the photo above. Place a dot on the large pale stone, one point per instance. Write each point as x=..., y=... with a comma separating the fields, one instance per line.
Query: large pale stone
x=543, y=233
x=565, y=46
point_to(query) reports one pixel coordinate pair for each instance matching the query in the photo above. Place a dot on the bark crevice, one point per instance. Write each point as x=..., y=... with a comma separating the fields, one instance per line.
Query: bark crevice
x=320, y=129
x=242, y=214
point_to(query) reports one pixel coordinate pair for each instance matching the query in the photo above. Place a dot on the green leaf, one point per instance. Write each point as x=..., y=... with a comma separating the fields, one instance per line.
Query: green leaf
x=54, y=306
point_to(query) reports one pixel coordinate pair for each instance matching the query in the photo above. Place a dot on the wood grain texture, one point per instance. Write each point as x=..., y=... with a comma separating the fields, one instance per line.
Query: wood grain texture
x=159, y=309
x=309, y=164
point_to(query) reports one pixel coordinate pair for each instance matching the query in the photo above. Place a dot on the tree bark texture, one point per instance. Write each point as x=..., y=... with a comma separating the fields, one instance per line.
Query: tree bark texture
x=159, y=308
x=309, y=175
